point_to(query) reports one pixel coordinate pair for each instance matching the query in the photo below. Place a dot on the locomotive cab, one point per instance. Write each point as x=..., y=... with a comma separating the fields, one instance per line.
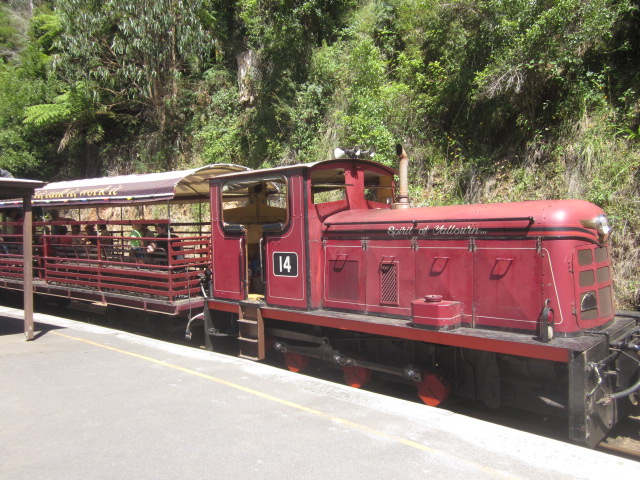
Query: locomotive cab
x=266, y=226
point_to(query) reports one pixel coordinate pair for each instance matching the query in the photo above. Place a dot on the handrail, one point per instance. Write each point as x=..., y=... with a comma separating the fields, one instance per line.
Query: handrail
x=92, y=267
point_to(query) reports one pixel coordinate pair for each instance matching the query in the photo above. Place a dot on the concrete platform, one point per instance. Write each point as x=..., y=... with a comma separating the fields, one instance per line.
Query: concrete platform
x=86, y=402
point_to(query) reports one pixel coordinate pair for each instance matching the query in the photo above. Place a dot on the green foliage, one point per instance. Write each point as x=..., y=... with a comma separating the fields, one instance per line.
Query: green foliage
x=16, y=154
x=219, y=128
x=76, y=111
x=24, y=151
x=630, y=134
x=10, y=36
x=132, y=54
x=46, y=28
x=283, y=34
x=494, y=100
x=50, y=113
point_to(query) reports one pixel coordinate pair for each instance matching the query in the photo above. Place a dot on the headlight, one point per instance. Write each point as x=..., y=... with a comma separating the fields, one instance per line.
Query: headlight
x=601, y=225
x=588, y=301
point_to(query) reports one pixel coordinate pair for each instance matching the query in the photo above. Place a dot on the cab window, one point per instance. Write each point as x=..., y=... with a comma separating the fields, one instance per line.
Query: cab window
x=255, y=201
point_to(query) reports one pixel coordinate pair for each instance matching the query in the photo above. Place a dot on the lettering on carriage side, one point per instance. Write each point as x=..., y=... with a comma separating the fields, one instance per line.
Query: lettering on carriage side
x=285, y=264
x=109, y=190
x=65, y=193
x=437, y=230
x=114, y=191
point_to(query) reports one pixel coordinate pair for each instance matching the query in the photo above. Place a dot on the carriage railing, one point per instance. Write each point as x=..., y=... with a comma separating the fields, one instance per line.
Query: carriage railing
x=113, y=264
x=11, y=259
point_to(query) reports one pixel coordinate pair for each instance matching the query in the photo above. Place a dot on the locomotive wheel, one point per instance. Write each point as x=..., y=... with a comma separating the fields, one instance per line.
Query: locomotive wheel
x=432, y=390
x=356, y=377
x=296, y=362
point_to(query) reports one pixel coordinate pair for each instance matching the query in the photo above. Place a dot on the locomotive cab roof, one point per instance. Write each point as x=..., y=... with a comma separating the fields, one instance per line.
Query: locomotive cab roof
x=316, y=167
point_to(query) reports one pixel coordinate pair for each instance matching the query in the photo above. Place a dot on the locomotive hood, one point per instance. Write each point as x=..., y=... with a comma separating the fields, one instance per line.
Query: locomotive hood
x=539, y=218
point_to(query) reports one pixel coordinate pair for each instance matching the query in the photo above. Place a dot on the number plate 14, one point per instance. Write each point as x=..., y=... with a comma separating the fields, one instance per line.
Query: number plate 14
x=285, y=264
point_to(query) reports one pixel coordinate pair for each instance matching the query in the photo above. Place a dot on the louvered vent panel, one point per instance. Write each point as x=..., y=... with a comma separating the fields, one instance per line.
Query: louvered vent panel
x=585, y=257
x=343, y=280
x=589, y=314
x=389, y=283
x=603, y=274
x=602, y=255
x=605, y=301
x=587, y=278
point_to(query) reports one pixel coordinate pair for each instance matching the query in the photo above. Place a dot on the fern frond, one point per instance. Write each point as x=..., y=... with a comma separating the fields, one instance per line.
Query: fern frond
x=47, y=114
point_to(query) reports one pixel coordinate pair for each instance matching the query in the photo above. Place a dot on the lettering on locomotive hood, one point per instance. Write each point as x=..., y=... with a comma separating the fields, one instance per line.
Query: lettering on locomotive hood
x=433, y=231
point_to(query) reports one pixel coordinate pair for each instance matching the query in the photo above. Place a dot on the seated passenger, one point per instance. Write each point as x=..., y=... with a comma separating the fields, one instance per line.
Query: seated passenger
x=103, y=232
x=141, y=231
x=65, y=240
x=76, y=239
x=162, y=233
x=160, y=246
x=13, y=233
x=138, y=247
x=91, y=235
x=54, y=216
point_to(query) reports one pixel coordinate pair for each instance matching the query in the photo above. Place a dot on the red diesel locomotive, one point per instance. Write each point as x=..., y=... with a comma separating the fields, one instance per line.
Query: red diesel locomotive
x=509, y=304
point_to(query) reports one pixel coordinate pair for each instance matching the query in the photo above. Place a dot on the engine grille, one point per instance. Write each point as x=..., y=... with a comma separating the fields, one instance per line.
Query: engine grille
x=585, y=257
x=389, y=283
x=602, y=254
x=595, y=293
x=343, y=280
x=587, y=278
x=603, y=274
x=605, y=301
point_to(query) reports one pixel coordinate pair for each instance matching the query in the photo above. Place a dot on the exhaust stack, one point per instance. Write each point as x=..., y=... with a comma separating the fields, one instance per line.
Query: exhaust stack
x=403, y=179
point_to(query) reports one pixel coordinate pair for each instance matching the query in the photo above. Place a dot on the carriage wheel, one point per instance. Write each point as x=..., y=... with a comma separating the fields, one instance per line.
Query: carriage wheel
x=432, y=390
x=296, y=362
x=356, y=377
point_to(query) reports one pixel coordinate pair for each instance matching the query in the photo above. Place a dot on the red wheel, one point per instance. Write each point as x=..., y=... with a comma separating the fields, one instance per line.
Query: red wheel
x=356, y=377
x=295, y=362
x=432, y=390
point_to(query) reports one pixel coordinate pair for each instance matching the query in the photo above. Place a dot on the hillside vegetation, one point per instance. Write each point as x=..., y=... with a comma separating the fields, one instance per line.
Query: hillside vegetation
x=494, y=100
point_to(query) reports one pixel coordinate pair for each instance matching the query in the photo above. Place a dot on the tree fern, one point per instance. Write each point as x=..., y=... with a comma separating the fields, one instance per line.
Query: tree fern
x=47, y=114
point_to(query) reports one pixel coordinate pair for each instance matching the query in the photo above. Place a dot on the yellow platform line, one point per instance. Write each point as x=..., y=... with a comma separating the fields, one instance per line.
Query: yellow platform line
x=297, y=406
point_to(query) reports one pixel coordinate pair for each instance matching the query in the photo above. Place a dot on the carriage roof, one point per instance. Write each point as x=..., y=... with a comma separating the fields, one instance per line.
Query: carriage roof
x=181, y=185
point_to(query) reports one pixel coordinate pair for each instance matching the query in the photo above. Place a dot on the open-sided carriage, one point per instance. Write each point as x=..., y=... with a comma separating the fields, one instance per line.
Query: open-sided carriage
x=117, y=266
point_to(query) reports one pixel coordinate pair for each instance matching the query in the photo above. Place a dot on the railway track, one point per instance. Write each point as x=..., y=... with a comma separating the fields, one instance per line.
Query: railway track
x=625, y=438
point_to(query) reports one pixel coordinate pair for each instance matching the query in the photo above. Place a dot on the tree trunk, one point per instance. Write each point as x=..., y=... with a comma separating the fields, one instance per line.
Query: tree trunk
x=90, y=160
x=247, y=76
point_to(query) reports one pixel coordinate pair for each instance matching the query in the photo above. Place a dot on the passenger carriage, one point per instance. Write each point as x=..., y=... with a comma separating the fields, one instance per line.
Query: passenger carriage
x=118, y=269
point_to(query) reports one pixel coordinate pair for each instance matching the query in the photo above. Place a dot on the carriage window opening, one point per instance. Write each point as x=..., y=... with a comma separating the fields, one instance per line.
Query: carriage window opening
x=328, y=186
x=278, y=200
x=326, y=194
x=378, y=188
x=255, y=201
x=232, y=201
